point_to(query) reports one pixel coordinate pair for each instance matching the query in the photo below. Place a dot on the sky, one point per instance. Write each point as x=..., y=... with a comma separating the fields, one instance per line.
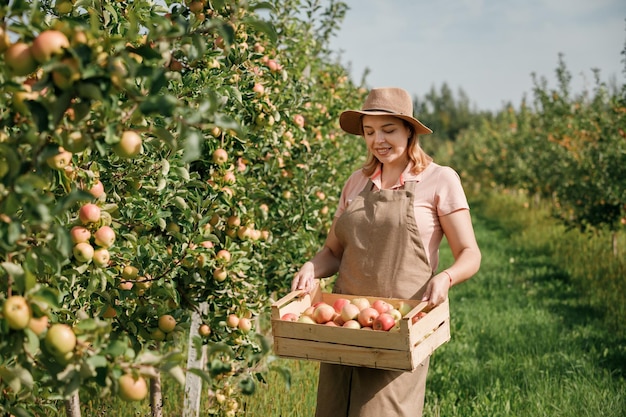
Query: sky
x=487, y=48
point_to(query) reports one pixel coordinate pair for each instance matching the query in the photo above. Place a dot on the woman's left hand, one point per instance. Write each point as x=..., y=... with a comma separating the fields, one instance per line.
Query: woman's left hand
x=437, y=290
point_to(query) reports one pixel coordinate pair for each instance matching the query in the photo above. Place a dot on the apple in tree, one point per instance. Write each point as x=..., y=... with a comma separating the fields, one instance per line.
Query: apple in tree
x=220, y=156
x=289, y=317
x=80, y=234
x=16, y=312
x=132, y=388
x=83, y=252
x=167, y=323
x=367, y=316
x=384, y=322
x=339, y=303
x=349, y=312
x=97, y=189
x=104, y=237
x=204, y=330
x=129, y=145
x=232, y=321
x=323, y=313
x=60, y=160
x=109, y=312
x=245, y=324
x=352, y=324
x=19, y=59
x=381, y=306
x=38, y=324
x=89, y=213
x=220, y=274
x=158, y=335
x=224, y=255
x=101, y=257
x=60, y=340
x=130, y=273
x=49, y=43
x=67, y=74
x=361, y=302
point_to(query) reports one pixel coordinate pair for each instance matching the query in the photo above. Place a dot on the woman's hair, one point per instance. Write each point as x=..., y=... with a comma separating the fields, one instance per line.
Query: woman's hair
x=416, y=154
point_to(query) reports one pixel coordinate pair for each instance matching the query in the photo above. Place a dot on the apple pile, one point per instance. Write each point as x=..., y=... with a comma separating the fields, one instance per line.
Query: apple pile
x=357, y=313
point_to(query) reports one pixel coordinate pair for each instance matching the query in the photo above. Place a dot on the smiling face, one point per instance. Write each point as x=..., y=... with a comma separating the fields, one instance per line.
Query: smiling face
x=387, y=139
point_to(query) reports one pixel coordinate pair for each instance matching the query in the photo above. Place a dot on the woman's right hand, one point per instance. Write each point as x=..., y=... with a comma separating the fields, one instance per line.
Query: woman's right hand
x=304, y=278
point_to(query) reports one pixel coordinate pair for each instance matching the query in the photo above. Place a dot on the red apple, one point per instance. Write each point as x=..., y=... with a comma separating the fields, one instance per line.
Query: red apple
x=220, y=156
x=418, y=316
x=19, y=59
x=232, y=321
x=339, y=303
x=331, y=323
x=352, y=324
x=83, y=252
x=367, y=316
x=381, y=306
x=245, y=324
x=323, y=313
x=38, y=324
x=97, y=189
x=289, y=317
x=384, y=322
x=104, y=237
x=349, y=312
x=101, y=257
x=89, y=213
x=224, y=255
x=16, y=312
x=80, y=234
x=49, y=43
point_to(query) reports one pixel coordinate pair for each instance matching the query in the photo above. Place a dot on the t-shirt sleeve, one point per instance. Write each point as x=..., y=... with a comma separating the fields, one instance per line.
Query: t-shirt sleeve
x=450, y=195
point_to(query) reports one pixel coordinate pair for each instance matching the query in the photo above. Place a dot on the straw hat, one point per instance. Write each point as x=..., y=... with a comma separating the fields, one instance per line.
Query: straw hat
x=388, y=101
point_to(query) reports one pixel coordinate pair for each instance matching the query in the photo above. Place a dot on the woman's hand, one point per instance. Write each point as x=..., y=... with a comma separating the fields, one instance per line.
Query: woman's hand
x=437, y=290
x=304, y=278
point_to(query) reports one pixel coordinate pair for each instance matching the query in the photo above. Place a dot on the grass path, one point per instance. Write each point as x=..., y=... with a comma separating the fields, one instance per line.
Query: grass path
x=524, y=343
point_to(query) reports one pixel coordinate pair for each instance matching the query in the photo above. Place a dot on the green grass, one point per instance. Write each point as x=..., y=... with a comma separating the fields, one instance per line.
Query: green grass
x=531, y=335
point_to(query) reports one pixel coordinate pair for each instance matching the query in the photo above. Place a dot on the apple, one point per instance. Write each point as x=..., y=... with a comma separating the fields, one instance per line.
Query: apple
x=38, y=324
x=232, y=321
x=83, y=252
x=60, y=340
x=49, y=43
x=384, y=322
x=60, y=160
x=306, y=319
x=308, y=311
x=245, y=324
x=395, y=313
x=361, y=302
x=289, y=317
x=16, y=312
x=167, y=323
x=258, y=88
x=19, y=59
x=418, y=316
x=349, y=312
x=80, y=234
x=367, y=316
x=220, y=274
x=89, y=213
x=132, y=388
x=125, y=285
x=331, y=323
x=224, y=255
x=101, y=257
x=352, y=324
x=339, y=321
x=129, y=145
x=404, y=308
x=220, y=156
x=323, y=313
x=67, y=74
x=234, y=221
x=299, y=120
x=339, y=303
x=204, y=330
x=5, y=40
x=104, y=237
x=130, y=273
x=21, y=97
x=158, y=335
x=109, y=312
x=381, y=306
x=97, y=189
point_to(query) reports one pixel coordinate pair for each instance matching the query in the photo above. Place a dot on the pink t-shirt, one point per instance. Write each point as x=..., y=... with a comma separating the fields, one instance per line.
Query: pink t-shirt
x=439, y=192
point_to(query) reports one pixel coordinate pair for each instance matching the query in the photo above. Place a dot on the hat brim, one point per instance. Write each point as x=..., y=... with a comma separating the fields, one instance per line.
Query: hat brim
x=350, y=121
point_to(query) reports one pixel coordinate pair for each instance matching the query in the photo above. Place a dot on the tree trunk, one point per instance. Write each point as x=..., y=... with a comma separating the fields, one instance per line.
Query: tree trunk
x=156, y=397
x=193, y=383
x=72, y=405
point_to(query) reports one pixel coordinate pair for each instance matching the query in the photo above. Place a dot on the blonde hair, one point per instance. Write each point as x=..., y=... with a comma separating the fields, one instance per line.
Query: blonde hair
x=415, y=152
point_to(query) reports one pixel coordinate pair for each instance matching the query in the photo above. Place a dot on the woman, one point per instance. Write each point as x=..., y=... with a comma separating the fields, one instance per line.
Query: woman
x=384, y=242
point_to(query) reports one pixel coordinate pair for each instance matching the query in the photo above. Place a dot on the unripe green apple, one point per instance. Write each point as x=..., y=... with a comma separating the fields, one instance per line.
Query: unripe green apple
x=83, y=252
x=167, y=323
x=60, y=340
x=129, y=145
x=16, y=312
x=132, y=388
x=101, y=257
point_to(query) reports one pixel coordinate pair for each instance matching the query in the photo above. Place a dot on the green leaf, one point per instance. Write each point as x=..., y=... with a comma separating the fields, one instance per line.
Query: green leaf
x=193, y=148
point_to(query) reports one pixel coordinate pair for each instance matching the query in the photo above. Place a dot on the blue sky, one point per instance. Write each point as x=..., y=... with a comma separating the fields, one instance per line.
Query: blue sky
x=489, y=48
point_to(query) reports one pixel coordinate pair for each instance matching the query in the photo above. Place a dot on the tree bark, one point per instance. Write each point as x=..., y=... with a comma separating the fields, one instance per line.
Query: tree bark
x=193, y=383
x=72, y=405
x=156, y=397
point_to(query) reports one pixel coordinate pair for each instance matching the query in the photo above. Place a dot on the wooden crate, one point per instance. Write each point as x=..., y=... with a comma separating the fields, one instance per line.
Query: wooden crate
x=401, y=350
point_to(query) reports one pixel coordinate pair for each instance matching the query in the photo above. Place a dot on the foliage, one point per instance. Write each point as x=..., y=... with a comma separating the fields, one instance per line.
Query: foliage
x=235, y=107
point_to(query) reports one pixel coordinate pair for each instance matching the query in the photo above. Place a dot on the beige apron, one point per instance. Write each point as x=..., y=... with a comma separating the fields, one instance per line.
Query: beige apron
x=383, y=257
